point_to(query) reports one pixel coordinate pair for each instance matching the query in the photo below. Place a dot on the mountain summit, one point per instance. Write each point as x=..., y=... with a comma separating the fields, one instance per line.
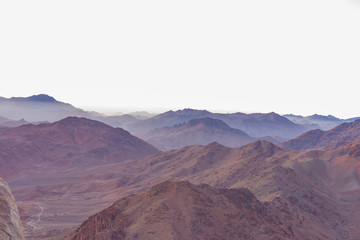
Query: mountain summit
x=181, y=210
x=36, y=98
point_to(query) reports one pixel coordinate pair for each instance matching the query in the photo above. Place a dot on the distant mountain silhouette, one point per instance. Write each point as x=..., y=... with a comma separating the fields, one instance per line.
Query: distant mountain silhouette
x=318, y=121
x=38, y=108
x=255, y=125
x=197, y=131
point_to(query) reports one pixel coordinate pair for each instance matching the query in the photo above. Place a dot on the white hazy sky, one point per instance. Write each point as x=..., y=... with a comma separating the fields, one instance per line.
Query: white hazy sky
x=286, y=56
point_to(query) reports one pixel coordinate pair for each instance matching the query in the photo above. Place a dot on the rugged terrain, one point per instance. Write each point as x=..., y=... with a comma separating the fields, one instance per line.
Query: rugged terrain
x=42, y=161
x=314, y=191
x=71, y=142
x=63, y=172
x=181, y=210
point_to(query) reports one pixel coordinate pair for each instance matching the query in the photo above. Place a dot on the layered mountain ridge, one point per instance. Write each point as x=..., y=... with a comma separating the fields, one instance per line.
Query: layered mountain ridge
x=256, y=124
x=197, y=131
x=63, y=172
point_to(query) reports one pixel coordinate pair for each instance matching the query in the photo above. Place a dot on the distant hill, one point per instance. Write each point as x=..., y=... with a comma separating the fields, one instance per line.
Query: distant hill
x=5, y=122
x=255, y=125
x=318, y=139
x=181, y=210
x=38, y=108
x=142, y=115
x=71, y=142
x=121, y=121
x=200, y=131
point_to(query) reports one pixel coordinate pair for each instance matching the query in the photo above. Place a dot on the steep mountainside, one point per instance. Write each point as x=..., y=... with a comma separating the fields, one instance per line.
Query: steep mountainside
x=10, y=224
x=71, y=142
x=197, y=132
x=180, y=210
x=318, y=139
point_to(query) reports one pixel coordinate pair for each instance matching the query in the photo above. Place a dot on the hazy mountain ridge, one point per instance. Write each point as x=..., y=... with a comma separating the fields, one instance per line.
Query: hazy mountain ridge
x=317, y=121
x=75, y=167
x=197, y=131
x=255, y=125
x=38, y=108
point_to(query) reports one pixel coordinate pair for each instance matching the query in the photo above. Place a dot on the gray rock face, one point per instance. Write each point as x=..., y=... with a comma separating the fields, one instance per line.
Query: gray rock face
x=10, y=224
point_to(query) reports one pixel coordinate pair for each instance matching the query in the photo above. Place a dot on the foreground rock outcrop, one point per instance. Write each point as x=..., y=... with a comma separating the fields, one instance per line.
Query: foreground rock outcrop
x=10, y=224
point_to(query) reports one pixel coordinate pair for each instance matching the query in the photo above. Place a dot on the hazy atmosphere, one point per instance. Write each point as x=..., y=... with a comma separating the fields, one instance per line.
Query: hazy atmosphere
x=201, y=119
x=298, y=57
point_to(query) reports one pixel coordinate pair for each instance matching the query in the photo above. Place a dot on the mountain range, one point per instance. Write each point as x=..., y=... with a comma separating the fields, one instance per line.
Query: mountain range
x=37, y=108
x=79, y=178
x=317, y=121
x=294, y=186
x=256, y=125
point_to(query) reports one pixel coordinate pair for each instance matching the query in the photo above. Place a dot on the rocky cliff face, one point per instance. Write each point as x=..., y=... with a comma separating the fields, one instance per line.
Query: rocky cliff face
x=10, y=224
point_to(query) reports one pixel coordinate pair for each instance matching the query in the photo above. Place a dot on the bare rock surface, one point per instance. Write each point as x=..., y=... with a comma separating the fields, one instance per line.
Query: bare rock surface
x=10, y=224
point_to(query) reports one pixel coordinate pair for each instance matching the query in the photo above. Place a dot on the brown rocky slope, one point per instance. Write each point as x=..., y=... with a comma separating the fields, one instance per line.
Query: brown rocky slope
x=291, y=181
x=71, y=142
x=181, y=210
x=10, y=224
x=318, y=139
